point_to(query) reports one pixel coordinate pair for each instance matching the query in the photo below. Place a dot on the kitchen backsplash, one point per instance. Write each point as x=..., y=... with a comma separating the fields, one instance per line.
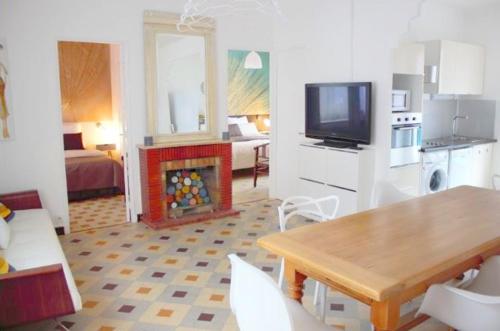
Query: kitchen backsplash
x=437, y=118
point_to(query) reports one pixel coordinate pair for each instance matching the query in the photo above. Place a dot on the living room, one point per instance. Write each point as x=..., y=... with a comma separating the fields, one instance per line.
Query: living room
x=165, y=267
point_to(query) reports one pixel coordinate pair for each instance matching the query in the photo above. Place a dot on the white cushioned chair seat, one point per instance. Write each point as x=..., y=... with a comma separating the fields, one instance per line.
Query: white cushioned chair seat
x=34, y=243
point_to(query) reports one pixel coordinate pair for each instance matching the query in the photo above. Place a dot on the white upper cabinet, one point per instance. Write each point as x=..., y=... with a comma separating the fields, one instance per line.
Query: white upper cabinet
x=460, y=67
x=409, y=59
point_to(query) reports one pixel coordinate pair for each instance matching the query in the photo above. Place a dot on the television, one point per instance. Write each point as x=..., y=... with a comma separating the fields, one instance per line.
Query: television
x=339, y=113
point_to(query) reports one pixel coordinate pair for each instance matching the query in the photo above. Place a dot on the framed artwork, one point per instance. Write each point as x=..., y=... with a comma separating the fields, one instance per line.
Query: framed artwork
x=248, y=86
x=6, y=119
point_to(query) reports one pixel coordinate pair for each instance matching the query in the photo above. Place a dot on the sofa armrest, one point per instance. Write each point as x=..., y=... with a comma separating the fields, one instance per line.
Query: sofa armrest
x=22, y=200
x=34, y=294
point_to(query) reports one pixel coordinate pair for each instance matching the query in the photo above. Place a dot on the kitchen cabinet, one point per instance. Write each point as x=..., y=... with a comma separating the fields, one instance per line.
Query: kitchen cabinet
x=460, y=67
x=460, y=169
x=481, y=165
x=345, y=173
x=409, y=59
x=471, y=166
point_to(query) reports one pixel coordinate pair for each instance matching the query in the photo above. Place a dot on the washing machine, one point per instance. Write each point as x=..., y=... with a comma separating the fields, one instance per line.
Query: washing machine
x=434, y=172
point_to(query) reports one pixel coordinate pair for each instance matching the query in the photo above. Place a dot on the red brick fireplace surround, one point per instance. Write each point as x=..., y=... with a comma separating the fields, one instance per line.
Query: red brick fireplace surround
x=153, y=161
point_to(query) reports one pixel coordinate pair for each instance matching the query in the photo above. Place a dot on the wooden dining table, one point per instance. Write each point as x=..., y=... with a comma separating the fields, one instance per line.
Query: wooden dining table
x=387, y=256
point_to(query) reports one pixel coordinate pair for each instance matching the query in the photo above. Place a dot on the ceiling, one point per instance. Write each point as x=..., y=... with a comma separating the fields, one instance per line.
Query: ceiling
x=470, y=3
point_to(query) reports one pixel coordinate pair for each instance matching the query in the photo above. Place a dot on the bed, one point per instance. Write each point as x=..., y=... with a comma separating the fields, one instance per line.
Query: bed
x=244, y=152
x=245, y=137
x=91, y=173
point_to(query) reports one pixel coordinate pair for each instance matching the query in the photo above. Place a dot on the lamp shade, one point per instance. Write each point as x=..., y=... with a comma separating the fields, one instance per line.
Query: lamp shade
x=253, y=61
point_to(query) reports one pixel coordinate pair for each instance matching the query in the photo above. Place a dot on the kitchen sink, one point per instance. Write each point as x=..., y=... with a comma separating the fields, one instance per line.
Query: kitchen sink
x=460, y=138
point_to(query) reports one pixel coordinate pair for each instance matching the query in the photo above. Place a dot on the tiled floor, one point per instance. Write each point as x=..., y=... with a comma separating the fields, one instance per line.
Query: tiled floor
x=134, y=278
x=97, y=213
x=108, y=211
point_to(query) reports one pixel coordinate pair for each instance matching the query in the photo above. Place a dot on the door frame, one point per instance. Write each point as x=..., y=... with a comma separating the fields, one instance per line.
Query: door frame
x=123, y=116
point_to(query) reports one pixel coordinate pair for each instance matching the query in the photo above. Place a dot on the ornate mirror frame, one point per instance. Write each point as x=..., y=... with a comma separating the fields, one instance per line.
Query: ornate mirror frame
x=160, y=22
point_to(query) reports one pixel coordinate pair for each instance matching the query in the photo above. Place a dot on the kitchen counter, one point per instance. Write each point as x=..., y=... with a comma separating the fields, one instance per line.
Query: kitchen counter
x=456, y=142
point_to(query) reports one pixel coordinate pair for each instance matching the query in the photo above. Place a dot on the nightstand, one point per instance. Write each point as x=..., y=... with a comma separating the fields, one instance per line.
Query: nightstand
x=106, y=147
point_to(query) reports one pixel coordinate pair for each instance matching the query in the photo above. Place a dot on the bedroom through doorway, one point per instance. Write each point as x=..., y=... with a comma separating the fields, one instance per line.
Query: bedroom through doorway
x=90, y=84
x=249, y=123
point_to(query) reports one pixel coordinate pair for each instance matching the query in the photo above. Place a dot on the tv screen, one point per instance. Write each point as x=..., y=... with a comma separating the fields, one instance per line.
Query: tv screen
x=339, y=111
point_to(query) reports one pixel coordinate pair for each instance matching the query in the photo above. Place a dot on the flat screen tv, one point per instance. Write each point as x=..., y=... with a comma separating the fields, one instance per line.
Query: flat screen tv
x=339, y=113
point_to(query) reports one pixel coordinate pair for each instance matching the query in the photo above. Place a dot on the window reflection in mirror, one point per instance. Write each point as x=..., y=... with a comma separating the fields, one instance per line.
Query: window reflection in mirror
x=181, y=100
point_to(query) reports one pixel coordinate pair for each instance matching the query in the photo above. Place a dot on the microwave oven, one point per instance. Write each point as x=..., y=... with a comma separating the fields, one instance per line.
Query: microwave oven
x=401, y=100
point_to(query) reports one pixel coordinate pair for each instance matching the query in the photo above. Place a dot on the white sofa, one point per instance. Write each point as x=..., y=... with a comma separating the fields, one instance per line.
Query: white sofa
x=34, y=243
x=42, y=286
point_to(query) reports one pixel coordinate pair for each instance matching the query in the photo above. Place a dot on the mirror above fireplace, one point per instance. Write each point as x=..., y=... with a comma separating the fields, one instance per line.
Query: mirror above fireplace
x=179, y=79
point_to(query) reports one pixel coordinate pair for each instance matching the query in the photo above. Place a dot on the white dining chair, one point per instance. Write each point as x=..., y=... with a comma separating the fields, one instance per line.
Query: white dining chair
x=259, y=304
x=496, y=182
x=319, y=210
x=385, y=193
x=477, y=307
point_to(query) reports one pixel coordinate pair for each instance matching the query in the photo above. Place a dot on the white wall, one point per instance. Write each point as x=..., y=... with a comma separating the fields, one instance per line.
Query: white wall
x=314, y=45
x=31, y=28
x=482, y=26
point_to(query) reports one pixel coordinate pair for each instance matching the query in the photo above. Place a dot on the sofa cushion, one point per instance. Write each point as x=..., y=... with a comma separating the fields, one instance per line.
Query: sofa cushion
x=6, y=213
x=5, y=267
x=4, y=234
x=34, y=243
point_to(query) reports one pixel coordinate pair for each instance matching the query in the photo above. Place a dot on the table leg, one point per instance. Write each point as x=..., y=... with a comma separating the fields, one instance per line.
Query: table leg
x=385, y=315
x=295, y=282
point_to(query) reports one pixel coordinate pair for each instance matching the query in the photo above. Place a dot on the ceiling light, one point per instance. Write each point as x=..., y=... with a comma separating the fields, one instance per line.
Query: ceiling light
x=253, y=61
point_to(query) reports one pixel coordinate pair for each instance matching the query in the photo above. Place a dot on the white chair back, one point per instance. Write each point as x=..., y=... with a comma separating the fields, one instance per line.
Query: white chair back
x=462, y=310
x=256, y=300
x=496, y=182
x=385, y=193
x=319, y=210
x=487, y=282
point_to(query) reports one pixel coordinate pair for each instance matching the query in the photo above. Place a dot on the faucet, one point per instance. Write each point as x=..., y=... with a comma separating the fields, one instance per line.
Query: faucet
x=455, y=118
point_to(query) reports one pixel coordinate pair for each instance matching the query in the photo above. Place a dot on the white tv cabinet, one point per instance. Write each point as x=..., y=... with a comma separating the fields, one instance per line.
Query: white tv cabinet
x=346, y=173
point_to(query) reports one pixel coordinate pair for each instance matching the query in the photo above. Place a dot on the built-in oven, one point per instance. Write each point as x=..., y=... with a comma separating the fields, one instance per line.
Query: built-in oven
x=406, y=138
x=401, y=100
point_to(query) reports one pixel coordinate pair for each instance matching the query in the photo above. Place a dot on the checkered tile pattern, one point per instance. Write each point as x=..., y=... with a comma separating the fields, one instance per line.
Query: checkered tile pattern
x=97, y=213
x=134, y=278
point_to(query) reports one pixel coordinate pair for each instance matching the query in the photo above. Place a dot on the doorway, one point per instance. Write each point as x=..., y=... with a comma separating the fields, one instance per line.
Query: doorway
x=94, y=145
x=249, y=124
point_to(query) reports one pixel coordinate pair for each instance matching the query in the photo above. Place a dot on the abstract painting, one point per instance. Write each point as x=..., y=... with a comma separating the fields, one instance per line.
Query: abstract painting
x=248, y=89
x=6, y=121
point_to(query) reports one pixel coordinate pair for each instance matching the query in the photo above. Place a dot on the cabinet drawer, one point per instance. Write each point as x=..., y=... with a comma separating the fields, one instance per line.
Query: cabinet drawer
x=311, y=188
x=348, y=200
x=312, y=163
x=342, y=169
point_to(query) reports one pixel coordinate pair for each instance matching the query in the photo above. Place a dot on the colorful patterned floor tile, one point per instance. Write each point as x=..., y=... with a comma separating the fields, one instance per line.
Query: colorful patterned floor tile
x=97, y=213
x=133, y=278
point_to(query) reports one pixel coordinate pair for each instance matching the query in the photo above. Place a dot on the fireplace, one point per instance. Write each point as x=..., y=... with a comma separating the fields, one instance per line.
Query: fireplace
x=185, y=183
x=192, y=186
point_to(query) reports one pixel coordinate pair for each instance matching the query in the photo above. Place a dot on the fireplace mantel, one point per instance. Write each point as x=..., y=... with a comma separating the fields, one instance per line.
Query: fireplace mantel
x=185, y=144
x=155, y=161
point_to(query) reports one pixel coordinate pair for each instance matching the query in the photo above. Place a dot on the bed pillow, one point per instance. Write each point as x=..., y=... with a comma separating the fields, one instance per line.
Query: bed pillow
x=6, y=213
x=4, y=234
x=248, y=129
x=73, y=141
x=234, y=131
x=237, y=120
x=72, y=128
